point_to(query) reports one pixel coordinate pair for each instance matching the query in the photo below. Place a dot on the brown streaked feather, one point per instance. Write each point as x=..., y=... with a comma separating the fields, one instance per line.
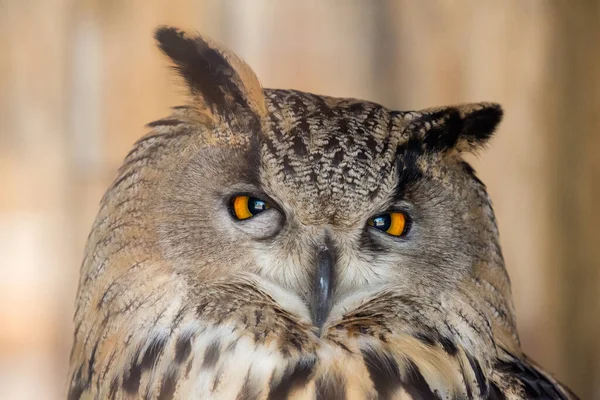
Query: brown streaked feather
x=407, y=366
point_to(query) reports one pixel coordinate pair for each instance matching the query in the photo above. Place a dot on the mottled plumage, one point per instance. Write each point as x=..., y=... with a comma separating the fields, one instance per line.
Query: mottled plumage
x=178, y=299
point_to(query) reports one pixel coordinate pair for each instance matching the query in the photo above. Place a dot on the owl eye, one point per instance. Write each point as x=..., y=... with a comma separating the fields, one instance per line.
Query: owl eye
x=244, y=207
x=392, y=223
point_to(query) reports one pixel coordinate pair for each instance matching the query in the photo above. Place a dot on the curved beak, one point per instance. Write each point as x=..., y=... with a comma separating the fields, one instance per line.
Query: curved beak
x=321, y=299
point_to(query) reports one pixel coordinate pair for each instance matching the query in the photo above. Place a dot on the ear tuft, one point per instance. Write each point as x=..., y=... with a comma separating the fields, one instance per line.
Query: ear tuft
x=480, y=121
x=222, y=85
x=204, y=70
x=462, y=128
x=173, y=43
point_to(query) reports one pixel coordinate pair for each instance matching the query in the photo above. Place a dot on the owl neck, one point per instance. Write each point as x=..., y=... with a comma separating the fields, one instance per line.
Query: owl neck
x=491, y=283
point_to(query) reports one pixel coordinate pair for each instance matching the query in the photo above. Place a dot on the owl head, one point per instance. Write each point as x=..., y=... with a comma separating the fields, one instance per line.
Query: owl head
x=324, y=200
x=271, y=242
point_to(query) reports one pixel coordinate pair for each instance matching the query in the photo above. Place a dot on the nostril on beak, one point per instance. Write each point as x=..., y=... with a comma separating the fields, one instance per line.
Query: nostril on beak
x=322, y=299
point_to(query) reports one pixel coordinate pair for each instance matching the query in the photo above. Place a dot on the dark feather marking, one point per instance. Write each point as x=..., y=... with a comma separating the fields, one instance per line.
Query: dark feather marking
x=448, y=345
x=466, y=381
x=232, y=345
x=368, y=243
x=344, y=347
x=253, y=157
x=179, y=316
x=258, y=316
x=131, y=381
x=164, y=122
x=107, y=366
x=407, y=156
x=298, y=144
x=114, y=384
x=133, y=162
x=331, y=386
x=471, y=172
x=338, y=157
x=122, y=179
x=471, y=323
x=115, y=282
x=211, y=356
x=444, y=135
x=424, y=338
x=200, y=309
x=496, y=393
x=161, y=139
x=77, y=385
x=169, y=384
x=248, y=392
x=75, y=334
x=259, y=336
x=535, y=385
x=416, y=385
x=188, y=368
x=183, y=347
x=383, y=371
x=217, y=380
x=293, y=377
x=479, y=125
x=91, y=362
x=481, y=379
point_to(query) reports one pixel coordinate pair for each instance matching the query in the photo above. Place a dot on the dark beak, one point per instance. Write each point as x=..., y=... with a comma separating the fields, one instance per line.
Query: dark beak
x=322, y=296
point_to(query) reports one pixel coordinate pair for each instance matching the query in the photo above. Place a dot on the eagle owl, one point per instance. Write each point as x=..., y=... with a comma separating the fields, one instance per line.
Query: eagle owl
x=271, y=244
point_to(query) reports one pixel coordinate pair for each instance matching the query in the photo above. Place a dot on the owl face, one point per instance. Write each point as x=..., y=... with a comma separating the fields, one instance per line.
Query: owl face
x=329, y=200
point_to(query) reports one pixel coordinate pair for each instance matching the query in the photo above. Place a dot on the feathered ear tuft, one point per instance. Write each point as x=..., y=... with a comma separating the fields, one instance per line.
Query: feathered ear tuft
x=462, y=128
x=222, y=85
x=479, y=123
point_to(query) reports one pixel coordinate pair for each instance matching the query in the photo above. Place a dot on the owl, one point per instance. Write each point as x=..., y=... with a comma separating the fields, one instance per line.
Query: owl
x=274, y=244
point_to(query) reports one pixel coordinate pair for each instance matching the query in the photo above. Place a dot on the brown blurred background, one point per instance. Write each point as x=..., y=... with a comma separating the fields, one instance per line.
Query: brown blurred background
x=79, y=79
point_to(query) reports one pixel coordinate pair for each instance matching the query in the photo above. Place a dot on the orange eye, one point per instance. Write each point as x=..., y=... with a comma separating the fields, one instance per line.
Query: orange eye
x=393, y=223
x=244, y=207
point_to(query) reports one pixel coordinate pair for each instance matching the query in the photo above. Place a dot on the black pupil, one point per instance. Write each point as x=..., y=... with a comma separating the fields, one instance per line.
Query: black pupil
x=382, y=222
x=256, y=206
